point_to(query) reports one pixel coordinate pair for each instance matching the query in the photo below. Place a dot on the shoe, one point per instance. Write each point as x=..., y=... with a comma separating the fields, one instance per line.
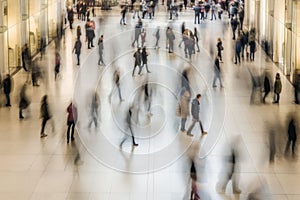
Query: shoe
x=89, y=47
x=182, y=130
x=235, y=62
x=125, y=24
x=93, y=46
x=72, y=139
x=198, y=51
x=189, y=134
x=204, y=133
x=8, y=105
x=43, y=135
x=78, y=63
x=21, y=117
x=237, y=191
x=68, y=141
x=135, y=144
x=214, y=86
x=148, y=72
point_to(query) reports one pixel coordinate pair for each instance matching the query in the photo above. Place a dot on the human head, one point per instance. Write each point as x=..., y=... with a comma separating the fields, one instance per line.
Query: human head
x=198, y=96
x=277, y=76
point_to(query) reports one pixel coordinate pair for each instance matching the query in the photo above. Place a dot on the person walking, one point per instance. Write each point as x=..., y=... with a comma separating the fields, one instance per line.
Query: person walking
x=217, y=71
x=238, y=49
x=171, y=38
x=195, y=110
x=123, y=14
x=71, y=121
x=101, y=48
x=220, y=48
x=24, y=102
x=95, y=105
x=241, y=14
x=57, y=65
x=129, y=127
x=145, y=60
x=234, y=25
x=70, y=17
x=143, y=36
x=138, y=60
x=78, y=31
x=45, y=114
x=182, y=33
x=252, y=46
x=277, y=88
x=212, y=10
x=184, y=108
x=90, y=34
x=137, y=33
x=292, y=137
x=267, y=88
x=197, y=13
x=296, y=88
x=77, y=49
x=7, y=86
x=196, y=36
x=25, y=56
x=157, y=37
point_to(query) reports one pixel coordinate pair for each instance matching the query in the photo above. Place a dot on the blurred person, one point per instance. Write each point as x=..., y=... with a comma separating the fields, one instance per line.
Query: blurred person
x=78, y=31
x=171, y=38
x=296, y=88
x=129, y=127
x=220, y=11
x=157, y=37
x=70, y=17
x=292, y=137
x=206, y=8
x=194, y=187
x=277, y=88
x=244, y=43
x=123, y=14
x=220, y=48
x=182, y=33
x=101, y=48
x=217, y=74
x=93, y=12
x=57, y=64
x=238, y=48
x=24, y=101
x=234, y=25
x=137, y=33
x=145, y=60
x=213, y=9
x=272, y=144
x=267, y=88
x=71, y=121
x=185, y=83
x=202, y=12
x=90, y=34
x=252, y=46
x=241, y=14
x=25, y=56
x=138, y=60
x=95, y=105
x=45, y=114
x=184, y=108
x=117, y=82
x=230, y=174
x=136, y=9
x=35, y=74
x=256, y=88
x=77, y=49
x=195, y=110
x=143, y=36
x=197, y=13
x=196, y=36
x=7, y=88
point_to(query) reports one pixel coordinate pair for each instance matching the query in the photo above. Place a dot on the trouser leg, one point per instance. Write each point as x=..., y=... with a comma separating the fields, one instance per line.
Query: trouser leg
x=183, y=121
x=191, y=126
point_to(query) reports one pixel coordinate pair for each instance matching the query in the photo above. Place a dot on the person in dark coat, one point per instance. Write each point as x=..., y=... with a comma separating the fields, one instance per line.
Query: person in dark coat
x=71, y=121
x=296, y=88
x=292, y=137
x=171, y=38
x=25, y=56
x=145, y=60
x=197, y=13
x=77, y=49
x=238, y=49
x=57, y=64
x=129, y=127
x=267, y=88
x=252, y=49
x=195, y=110
x=24, y=102
x=277, y=88
x=241, y=17
x=101, y=47
x=7, y=85
x=123, y=13
x=45, y=114
x=220, y=48
x=184, y=109
x=217, y=71
x=90, y=34
x=234, y=25
x=138, y=60
x=70, y=17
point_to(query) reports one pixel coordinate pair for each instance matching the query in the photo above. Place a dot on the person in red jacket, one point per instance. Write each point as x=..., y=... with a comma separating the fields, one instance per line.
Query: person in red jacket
x=72, y=118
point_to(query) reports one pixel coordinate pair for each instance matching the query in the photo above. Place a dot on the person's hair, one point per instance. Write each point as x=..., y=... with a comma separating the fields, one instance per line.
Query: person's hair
x=198, y=96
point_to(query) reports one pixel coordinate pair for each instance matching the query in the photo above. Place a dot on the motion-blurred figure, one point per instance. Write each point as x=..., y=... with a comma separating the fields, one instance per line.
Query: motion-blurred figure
x=277, y=88
x=24, y=101
x=194, y=189
x=101, y=48
x=129, y=127
x=184, y=108
x=217, y=74
x=7, y=87
x=292, y=137
x=25, y=56
x=145, y=60
x=116, y=79
x=185, y=83
x=157, y=36
x=77, y=49
x=138, y=59
x=230, y=174
x=297, y=88
x=57, y=65
x=45, y=114
x=71, y=121
x=267, y=88
x=95, y=105
x=35, y=74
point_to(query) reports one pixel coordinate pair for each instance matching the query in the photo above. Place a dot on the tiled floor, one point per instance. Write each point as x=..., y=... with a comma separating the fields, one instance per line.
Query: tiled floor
x=94, y=167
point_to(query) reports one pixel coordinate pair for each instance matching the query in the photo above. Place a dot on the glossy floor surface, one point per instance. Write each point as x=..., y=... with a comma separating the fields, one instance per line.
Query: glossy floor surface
x=94, y=166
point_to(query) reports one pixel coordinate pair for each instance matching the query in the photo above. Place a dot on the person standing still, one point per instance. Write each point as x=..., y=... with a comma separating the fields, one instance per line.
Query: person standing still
x=195, y=110
x=220, y=48
x=25, y=56
x=277, y=88
x=71, y=121
x=77, y=49
x=101, y=48
x=7, y=85
x=45, y=114
x=267, y=88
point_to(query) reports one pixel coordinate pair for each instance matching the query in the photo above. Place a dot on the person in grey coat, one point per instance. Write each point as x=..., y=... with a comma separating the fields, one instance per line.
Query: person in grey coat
x=185, y=108
x=217, y=70
x=138, y=59
x=77, y=49
x=195, y=110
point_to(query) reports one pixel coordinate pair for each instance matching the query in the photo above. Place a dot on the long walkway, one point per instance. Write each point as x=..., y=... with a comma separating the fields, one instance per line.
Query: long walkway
x=95, y=167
